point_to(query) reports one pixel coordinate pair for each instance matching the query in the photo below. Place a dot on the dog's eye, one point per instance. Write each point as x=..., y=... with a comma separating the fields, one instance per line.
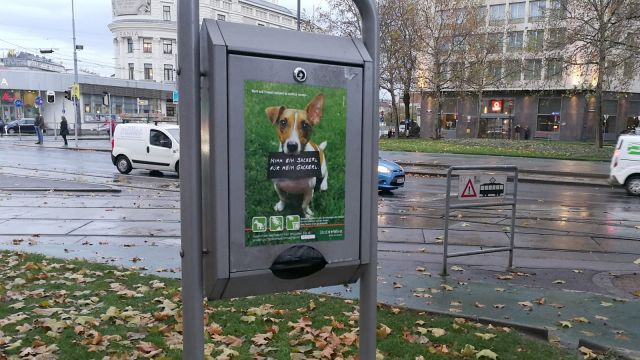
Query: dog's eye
x=283, y=123
x=305, y=126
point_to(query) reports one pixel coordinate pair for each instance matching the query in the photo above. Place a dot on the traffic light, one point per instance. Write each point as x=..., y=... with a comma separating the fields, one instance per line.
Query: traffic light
x=51, y=98
x=67, y=94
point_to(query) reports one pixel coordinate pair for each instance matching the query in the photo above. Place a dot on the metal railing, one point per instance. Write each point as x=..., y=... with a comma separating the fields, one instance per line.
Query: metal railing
x=483, y=204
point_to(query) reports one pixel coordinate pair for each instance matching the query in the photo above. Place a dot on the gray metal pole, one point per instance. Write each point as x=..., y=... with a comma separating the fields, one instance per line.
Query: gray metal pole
x=447, y=203
x=190, y=181
x=75, y=72
x=513, y=217
x=298, y=15
x=369, y=279
x=110, y=119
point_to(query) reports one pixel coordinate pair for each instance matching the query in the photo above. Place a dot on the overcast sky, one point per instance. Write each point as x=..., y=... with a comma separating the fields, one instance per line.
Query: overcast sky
x=31, y=25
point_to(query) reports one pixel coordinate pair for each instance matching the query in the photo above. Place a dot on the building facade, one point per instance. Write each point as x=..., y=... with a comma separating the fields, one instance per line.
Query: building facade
x=538, y=91
x=130, y=99
x=144, y=31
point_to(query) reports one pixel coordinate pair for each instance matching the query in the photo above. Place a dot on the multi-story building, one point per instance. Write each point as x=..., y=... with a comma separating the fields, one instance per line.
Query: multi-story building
x=537, y=91
x=144, y=31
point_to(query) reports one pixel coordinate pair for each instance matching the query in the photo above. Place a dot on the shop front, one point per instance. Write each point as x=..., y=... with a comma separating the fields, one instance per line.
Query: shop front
x=9, y=109
x=496, y=119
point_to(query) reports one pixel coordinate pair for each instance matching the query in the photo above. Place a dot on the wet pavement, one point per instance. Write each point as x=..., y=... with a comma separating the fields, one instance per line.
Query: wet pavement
x=575, y=245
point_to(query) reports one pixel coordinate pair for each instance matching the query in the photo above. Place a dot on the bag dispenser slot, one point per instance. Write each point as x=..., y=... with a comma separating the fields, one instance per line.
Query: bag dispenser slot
x=297, y=262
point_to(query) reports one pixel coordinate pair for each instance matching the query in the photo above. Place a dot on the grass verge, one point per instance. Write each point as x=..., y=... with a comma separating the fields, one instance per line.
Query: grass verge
x=52, y=309
x=521, y=148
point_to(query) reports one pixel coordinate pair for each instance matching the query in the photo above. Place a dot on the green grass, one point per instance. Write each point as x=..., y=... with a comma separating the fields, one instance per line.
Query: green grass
x=521, y=148
x=84, y=292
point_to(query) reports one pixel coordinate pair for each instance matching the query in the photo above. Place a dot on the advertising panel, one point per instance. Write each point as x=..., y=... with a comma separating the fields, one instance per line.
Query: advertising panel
x=295, y=146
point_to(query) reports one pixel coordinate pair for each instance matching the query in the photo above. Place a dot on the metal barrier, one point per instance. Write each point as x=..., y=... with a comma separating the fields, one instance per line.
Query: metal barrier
x=482, y=203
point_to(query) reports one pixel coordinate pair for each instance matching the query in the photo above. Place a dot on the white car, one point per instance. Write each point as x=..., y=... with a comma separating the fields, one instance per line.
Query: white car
x=625, y=164
x=146, y=146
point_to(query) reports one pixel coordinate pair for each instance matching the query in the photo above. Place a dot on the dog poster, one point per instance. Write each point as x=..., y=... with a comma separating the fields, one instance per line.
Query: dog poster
x=295, y=144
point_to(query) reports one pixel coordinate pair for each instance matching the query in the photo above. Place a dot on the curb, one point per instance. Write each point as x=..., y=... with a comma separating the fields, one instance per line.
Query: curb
x=520, y=179
x=620, y=353
x=521, y=171
x=65, y=148
x=61, y=189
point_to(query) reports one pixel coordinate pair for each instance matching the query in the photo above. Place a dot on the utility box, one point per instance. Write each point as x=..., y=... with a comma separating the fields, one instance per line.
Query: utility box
x=287, y=131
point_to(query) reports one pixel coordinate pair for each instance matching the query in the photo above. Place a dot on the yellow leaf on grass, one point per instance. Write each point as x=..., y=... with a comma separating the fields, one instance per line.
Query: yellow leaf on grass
x=17, y=306
x=437, y=332
x=383, y=331
x=565, y=324
x=248, y=319
x=468, y=350
x=487, y=353
x=485, y=336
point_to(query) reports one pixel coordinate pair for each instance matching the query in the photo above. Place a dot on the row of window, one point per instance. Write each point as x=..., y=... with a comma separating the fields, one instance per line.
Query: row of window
x=265, y=15
x=514, y=70
x=148, y=72
x=531, y=40
x=147, y=46
x=515, y=11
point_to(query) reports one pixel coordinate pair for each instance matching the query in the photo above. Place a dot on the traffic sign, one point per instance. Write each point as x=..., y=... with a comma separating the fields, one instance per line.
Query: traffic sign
x=483, y=186
x=17, y=102
x=469, y=190
x=38, y=101
x=175, y=96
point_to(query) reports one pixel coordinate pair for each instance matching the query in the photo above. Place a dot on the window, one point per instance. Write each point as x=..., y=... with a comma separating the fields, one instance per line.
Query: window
x=536, y=10
x=549, y=114
x=557, y=10
x=554, y=69
x=496, y=13
x=494, y=70
x=247, y=10
x=131, y=72
x=148, y=72
x=147, y=45
x=535, y=40
x=129, y=45
x=167, y=46
x=168, y=72
x=516, y=13
x=609, y=115
x=494, y=41
x=516, y=39
x=158, y=138
x=222, y=17
x=533, y=69
x=166, y=13
x=481, y=14
x=171, y=110
x=513, y=70
x=274, y=17
x=261, y=14
x=555, y=38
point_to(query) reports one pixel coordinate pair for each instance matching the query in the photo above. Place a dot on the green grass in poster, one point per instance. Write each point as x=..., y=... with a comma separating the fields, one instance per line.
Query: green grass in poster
x=261, y=139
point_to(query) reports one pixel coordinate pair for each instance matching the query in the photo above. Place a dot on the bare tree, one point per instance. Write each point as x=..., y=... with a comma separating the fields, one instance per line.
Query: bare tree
x=446, y=27
x=598, y=44
x=337, y=17
x=399, y=46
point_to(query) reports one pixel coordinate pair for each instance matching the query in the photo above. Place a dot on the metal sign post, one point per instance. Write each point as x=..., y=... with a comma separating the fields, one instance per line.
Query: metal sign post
x=489, y=191
x=190, y=181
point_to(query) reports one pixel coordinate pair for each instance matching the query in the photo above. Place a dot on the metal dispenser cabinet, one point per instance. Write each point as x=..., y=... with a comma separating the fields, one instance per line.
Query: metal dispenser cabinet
x=286, y=153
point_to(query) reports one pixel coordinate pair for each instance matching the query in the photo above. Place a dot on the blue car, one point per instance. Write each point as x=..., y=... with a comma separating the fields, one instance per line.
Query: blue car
x=390, y=175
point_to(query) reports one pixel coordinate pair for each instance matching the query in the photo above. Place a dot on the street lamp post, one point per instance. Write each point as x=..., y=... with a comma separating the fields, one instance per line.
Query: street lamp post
x=75, y=72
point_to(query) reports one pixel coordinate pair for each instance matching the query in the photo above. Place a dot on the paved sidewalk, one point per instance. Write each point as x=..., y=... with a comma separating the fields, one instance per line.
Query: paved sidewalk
x=88, y=143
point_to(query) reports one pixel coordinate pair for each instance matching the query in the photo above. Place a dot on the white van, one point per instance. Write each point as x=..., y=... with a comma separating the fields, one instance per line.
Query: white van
x=625, y=164
x=146, y=146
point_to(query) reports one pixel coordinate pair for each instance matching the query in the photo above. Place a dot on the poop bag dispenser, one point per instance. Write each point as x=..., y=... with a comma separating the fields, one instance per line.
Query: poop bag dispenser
x=297, y=262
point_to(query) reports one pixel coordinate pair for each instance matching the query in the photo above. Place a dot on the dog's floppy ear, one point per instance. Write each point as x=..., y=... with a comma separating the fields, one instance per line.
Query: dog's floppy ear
x=274, y=112
x=314, y=109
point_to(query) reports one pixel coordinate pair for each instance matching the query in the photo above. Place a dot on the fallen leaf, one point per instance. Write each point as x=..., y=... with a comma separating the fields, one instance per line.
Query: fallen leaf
x=637, y=262
x=498, y=306
x=526, y=303
x=468, y=350
x=478, y=305
x=600, y=317
x=485, y=336
x=606, y=304
x=565, y=324
x=487, y=353
x=504, y=277
x=421, y=269
x=456, y=268
x=383, y=331
x=248, y=318
x=559, y=282
x=437, y=332
x=581, y=319
x=588, y=353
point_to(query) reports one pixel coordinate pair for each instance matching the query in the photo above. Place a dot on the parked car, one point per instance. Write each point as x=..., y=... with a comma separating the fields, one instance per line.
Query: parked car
x=390, y=175
x=625, y=164
x=24, y=126
x=146, y=146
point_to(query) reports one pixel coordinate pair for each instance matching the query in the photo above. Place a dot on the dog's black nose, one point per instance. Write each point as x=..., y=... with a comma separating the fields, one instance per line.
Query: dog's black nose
x=292, y=147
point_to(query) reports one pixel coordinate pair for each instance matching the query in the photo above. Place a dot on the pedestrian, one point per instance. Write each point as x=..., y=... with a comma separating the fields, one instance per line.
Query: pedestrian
x=517, y=130
x=39, y=126
x=64, y=130
x=526, y=132
x=1, y=127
